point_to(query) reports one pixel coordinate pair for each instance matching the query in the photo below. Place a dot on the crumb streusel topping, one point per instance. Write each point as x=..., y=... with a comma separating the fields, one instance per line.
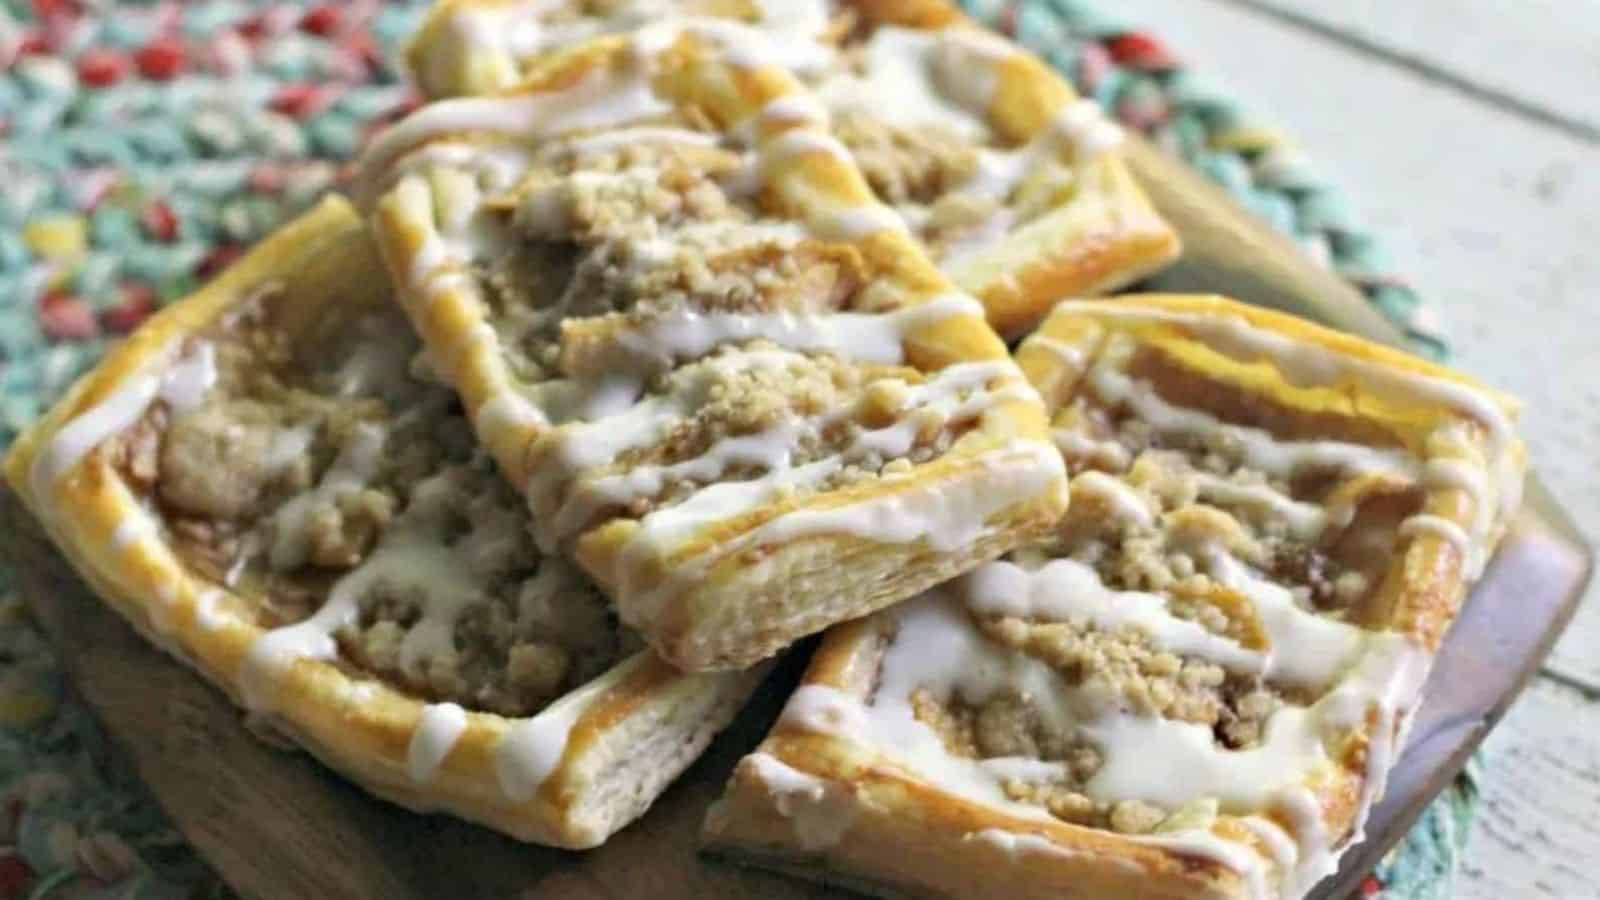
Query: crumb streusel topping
x=330, y=471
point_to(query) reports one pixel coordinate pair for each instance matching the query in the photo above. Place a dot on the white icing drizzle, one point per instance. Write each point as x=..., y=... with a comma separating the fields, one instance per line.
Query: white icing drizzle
x=936, y=648
x=770, y=450
x=532, y=748
x=856, y=222
x=794, y=109
x=207, y=610
x=496, y=166
x=948, y=519
x=946, y=516
x=1123, y=499
x=1276, y=458
x=1495, y=494
x=438, y=728
x=249, y=546
x=1076, y=445
x=1065, y=590
x=501, y=40
x=1445, y=530
x=969, y=246
x=1307, y=649
x=948, y=78
x=898, y=86
x=615, y=419
x=499, y=32
x=820, y=812
x=965, y=65
x=602, y=100
x=1467, y=477
x=89, y=430
x=809, y=17
x=185, y=385
x=134, y=528
x=800, y=141
x=356, y=464
x=943, y=393
x=508, y=411
x=1080, y=131
x=858, y=337
x=1195, y=766
x=698, y=239
x=1069, y=355
x=934, y=644
x=1083, y=126
x=1306, y=521
x=182, y=384
x=640, y=134
x=415, y=554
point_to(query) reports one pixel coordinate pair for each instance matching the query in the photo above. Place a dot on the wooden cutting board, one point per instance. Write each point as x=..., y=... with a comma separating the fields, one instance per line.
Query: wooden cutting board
x=277, y=826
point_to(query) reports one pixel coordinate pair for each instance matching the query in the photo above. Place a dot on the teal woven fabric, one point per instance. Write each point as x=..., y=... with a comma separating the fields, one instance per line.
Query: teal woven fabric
x=142, y=145
x=1132, y=73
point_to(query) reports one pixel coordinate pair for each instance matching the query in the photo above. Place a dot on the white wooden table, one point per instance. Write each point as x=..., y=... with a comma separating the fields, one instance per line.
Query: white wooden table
x=1469, y=132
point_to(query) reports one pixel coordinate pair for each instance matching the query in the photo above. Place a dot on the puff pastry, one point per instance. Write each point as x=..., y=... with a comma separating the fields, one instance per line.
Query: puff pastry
x=726, y=376
x=1010, y=179
x=257, y=481
x=1195, y=686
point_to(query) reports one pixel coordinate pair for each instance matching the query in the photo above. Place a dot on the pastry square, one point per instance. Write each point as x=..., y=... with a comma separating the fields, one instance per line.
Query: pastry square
x=1195, y=686
x=259, y=482
x=729, y=381
x=1013, y=182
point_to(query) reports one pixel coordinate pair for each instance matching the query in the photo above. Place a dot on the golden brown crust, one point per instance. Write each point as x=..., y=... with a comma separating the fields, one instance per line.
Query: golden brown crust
x=899, y=836
x=811, y=186
x=359, y=726
x=899, y=830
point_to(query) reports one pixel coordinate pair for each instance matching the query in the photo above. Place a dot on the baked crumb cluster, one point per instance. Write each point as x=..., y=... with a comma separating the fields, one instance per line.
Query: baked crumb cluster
x=611, y=246
x=907, y=164
x=1202, y=491
x=322, y=465
x=957, y=181
x=1176, y=502
x=1009, y=725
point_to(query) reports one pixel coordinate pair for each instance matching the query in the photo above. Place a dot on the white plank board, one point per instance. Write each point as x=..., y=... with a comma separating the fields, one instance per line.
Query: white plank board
x=1496, y=218
x=1544, y=54
x=1535, y=835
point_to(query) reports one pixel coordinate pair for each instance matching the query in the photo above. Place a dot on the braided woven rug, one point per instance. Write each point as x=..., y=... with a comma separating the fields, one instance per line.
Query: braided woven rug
x=143, y=144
